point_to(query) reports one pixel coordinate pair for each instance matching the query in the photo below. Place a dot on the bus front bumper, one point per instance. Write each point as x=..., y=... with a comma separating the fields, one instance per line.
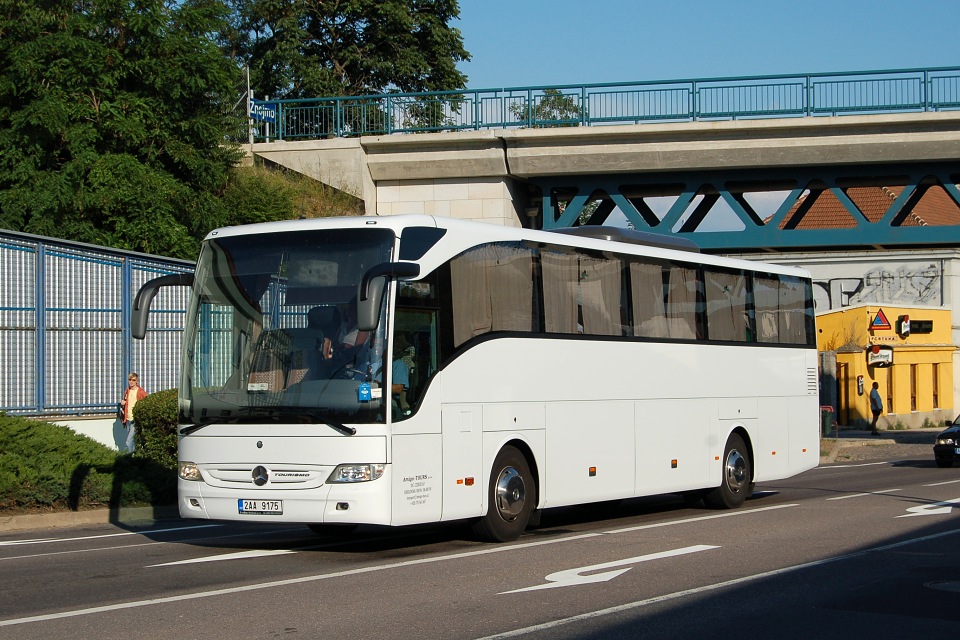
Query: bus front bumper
x=353, y=503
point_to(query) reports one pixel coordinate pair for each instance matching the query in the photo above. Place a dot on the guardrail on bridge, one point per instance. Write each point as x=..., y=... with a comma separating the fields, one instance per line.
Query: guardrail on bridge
x=778, y=96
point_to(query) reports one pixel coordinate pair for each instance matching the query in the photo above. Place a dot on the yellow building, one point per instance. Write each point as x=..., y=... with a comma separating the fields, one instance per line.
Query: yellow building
x=908, y=351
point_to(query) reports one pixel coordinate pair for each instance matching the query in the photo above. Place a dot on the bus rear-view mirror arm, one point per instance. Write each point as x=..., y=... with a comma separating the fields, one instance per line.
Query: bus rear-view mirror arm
x=372, y=286
x=141, y=303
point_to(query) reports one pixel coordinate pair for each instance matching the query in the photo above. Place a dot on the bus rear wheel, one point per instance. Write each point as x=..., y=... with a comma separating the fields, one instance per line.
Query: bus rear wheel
x=511, y=497
x=737, y=477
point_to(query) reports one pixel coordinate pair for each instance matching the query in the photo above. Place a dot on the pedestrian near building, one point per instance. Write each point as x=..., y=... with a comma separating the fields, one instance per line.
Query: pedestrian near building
x=876, y=407
x=131, y=396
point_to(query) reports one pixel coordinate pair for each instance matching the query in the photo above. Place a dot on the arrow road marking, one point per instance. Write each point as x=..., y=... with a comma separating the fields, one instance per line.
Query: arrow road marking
x=574, y=577
x=935, y=509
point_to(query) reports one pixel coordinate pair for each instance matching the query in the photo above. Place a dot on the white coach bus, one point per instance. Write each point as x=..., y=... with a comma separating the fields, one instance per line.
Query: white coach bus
x=410, y=369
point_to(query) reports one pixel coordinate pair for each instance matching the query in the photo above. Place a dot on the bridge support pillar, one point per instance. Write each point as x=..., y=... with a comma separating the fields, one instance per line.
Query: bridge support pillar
x=496, y=200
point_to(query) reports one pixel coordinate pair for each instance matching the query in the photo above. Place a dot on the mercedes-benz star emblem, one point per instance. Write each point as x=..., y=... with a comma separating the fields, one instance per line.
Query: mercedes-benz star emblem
x=260, y=475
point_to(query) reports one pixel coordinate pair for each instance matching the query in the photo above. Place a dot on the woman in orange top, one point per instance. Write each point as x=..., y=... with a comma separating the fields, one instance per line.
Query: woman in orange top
x=131, y=396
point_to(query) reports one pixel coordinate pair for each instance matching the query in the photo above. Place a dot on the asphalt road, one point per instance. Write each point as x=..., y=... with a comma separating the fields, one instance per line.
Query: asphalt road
x=860, y=547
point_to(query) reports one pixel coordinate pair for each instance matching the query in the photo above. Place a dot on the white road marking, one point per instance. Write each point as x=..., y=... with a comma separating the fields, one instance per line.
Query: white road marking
x=725, y=514
x=868, y=493
x=351, y=572
x=935, y=509
x=851, y=466
x=938, y=484
x=239, y=555
x=573, y=577
x=11, y=543
x=706, y=588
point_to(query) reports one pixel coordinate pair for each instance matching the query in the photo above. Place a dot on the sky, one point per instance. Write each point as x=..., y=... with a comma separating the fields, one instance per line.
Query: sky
x=522, y=43
x=518, y=43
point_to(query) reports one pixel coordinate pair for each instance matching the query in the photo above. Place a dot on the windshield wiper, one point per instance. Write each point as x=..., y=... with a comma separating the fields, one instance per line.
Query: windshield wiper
x=260, y=414
x=316, y=415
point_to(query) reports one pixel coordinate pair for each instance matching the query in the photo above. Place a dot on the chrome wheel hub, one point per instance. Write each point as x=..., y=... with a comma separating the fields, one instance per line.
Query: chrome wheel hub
x=510, y=494
x=735, y=471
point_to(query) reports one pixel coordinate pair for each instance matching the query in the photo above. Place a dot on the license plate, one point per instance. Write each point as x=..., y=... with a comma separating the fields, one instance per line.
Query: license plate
x=261, y=507
x=957, y=451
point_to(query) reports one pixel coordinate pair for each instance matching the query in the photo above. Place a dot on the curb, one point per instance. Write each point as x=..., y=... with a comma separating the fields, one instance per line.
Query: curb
x=125, y=517
x=844, y=443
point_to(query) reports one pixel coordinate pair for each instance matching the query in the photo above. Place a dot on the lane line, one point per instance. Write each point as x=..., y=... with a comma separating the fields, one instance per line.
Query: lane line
x=239, y=555
x=938, y=484
x=145, y=544
x=852, y=466
x=725, y=514
x=14, y=543
x=868, y=493
x=352, y=572
x=706, y=588
x=288, y=582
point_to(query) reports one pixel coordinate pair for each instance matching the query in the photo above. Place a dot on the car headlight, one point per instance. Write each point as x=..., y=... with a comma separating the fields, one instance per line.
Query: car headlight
x=356, y=473
x=944, y=440
x=190, y=471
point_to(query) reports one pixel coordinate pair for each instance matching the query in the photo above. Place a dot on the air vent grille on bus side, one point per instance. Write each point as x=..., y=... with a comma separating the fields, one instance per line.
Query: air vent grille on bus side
x=812, y=382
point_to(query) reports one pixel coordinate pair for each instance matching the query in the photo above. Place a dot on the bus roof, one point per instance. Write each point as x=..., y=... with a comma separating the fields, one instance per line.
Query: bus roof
x=465, y=234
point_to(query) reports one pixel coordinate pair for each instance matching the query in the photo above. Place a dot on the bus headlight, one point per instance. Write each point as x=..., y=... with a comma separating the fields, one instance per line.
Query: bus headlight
x=355, y=473
x=190, y=471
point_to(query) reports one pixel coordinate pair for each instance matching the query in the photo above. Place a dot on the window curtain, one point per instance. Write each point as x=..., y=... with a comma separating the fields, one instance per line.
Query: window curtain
x=600, y=296
x=492, y=291
x=471, y=303
x=766, y=300
x=726, y=306
x=559, y=291
x=792, y=299
x=510, y=281
x=682, y=303
x=649, y=314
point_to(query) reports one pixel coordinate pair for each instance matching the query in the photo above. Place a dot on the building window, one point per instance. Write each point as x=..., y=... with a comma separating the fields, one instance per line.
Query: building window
x=890, y=391
x=913, y=387
x=936, y=385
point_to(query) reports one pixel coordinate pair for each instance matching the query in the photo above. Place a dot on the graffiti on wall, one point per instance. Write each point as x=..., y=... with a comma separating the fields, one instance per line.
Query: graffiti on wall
x=908, y=285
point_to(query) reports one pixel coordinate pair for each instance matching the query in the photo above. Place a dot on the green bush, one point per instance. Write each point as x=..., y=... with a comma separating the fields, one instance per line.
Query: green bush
x=46, y=467
x=156, y=418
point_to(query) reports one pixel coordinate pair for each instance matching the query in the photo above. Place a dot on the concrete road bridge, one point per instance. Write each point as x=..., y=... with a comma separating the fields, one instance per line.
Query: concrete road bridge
x=779, y=163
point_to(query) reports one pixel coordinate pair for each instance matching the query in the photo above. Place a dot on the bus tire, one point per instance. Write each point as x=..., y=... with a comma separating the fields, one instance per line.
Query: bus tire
x=737, y=477
x=333, y=530
x=511, y=497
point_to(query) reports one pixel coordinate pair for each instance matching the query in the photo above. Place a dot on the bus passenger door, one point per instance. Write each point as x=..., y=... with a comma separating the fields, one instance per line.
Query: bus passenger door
x=463, y=480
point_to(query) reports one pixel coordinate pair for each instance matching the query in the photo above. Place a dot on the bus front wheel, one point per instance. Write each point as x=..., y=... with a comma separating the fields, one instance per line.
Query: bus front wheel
x=737, y=477
x=511, y=498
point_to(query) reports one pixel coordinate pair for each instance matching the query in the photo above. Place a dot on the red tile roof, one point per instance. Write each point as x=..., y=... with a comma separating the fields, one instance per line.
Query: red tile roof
x=934, y=208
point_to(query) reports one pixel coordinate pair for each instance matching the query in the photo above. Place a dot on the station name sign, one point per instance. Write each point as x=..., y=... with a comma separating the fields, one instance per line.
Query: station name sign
x=263, y=111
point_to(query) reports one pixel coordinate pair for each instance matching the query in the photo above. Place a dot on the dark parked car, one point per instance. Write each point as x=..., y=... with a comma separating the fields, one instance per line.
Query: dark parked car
x=946, y=449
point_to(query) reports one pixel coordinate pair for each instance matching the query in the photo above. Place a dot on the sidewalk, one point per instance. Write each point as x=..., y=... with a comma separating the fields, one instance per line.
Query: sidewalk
x=859, y=438
x=126, y=517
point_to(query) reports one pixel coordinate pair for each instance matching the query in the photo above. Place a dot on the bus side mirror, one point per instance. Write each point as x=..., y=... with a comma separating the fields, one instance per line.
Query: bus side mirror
x=372, y=286
x=141, y=304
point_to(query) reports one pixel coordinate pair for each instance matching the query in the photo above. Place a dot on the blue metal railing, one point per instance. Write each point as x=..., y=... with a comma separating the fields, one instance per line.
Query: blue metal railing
x=855, y=92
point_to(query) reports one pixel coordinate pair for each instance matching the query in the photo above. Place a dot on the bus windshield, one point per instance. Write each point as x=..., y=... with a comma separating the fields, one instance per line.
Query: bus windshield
x=271, y=334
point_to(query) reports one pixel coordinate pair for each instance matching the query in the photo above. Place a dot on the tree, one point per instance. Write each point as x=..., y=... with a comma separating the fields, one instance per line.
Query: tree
x=113, y=117
x=314, y=48
x=552, y=109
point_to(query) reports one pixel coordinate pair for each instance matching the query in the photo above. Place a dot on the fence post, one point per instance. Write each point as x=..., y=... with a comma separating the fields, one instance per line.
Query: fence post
x=40, y=320
x=126, y=308
x=694, y=101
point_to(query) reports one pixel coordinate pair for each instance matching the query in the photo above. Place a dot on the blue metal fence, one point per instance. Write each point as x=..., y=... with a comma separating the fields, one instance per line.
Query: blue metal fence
x=65, y=343
x=856, y=92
